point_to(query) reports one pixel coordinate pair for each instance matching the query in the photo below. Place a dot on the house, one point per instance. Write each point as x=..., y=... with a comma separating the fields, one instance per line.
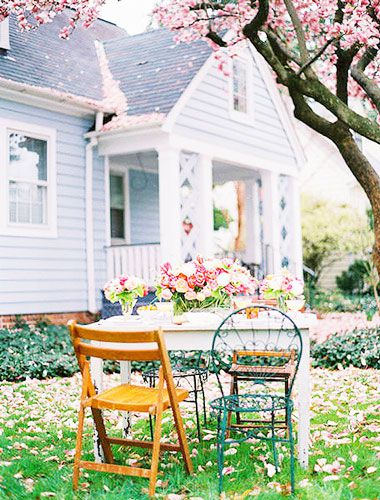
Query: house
x=326, y=176
x=111, y=147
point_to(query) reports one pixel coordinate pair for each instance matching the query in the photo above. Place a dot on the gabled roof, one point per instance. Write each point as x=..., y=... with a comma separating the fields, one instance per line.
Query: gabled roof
x=152, y=70
x=42, y=59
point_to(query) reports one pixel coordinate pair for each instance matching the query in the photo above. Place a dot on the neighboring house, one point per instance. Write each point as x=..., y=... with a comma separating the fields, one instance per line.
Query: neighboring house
x=111, y=147
x=327, y=176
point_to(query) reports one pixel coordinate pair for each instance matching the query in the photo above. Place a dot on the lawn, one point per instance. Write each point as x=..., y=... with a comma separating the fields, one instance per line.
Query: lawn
x=38, y=428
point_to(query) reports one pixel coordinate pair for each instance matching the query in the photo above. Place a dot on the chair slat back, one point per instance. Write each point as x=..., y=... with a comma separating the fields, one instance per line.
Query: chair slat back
x=144, y=345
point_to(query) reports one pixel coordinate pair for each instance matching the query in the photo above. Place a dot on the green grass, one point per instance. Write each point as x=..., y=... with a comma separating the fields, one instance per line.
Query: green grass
x=38, y=428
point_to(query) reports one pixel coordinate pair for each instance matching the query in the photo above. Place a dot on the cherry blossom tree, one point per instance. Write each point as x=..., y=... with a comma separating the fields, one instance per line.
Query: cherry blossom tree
x=324, y=52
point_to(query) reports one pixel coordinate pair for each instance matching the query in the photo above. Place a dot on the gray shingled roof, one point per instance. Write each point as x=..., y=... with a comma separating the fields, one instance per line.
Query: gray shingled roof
x=41, y=58
x=153, y=70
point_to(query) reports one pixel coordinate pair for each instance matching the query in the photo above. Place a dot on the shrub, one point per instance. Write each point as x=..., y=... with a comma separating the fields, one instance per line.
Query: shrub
x=335, y=301
x=355, y=279
x=360, y=348
x=37, y=352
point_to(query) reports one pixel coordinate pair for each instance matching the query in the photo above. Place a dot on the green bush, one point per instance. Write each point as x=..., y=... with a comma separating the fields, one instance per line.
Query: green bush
x=38, y=351
x=360, y=348
x=355, y=279
x=336, y=301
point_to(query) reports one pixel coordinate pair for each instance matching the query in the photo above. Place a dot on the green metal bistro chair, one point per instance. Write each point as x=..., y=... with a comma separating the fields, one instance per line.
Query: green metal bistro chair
x=260, y=356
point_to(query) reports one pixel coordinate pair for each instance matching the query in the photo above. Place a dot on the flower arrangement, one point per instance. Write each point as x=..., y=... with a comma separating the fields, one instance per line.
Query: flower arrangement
x=284, y=287
x=203, y=283
x=126, y=290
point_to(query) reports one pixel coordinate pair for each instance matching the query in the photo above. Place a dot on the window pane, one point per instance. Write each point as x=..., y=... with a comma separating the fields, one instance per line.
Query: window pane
x=117, y=223
x=239, y=86
x=27, y=157
x=117, y=191
x=27, y=203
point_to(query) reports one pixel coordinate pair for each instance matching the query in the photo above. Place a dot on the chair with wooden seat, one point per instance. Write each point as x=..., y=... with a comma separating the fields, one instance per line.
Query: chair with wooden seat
x=131, y=346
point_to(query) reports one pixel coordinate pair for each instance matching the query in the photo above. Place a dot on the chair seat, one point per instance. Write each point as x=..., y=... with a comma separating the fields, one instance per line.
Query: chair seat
x=132, y=398
x=282, y=372
x=251, y=403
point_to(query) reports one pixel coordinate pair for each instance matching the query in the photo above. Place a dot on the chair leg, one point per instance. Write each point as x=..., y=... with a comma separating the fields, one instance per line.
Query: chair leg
x=233, y=387
x=101, y=430
x=182, y=438
x=291, y=445
x=196, y=408
x=274, y=441
x=151, y=427
x=204, y=401
x=78, y=448
x=155, y=452
x=222, y=435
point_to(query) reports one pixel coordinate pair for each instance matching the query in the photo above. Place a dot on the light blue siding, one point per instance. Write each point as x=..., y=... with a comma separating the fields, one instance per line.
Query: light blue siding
x=41, y=275
x=144, y=207
x=206, y=117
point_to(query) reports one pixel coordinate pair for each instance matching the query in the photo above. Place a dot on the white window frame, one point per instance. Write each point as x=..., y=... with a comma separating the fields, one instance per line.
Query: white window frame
x=241, y=116
x=123, y=172
x=7, y=228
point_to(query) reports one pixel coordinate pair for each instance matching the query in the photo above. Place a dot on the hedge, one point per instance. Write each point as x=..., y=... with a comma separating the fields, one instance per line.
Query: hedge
x=44, y=351
x=360, y=348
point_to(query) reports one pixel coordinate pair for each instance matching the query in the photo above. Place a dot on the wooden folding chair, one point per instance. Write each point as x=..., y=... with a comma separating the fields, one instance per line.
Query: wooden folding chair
x=138, y=346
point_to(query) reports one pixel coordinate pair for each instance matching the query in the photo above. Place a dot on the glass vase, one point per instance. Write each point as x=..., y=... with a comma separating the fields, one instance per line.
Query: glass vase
x=127, y=308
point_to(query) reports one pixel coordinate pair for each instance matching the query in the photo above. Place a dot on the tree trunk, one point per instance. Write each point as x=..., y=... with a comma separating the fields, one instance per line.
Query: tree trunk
x=369, y=180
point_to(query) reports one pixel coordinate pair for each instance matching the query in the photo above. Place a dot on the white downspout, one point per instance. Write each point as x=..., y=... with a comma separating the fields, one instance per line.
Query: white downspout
x=91, y=300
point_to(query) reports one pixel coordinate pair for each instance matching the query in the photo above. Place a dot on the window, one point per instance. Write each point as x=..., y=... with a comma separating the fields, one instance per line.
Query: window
x=239, y=86
x=27, y=182
x=117, y=206
x=27, y=177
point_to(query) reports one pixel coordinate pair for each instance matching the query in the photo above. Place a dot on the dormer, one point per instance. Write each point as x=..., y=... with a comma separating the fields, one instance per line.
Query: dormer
x=4, y=35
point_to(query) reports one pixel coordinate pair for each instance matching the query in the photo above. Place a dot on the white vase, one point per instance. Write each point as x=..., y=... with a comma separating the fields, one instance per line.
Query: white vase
x=295, y=304
x=127, y=308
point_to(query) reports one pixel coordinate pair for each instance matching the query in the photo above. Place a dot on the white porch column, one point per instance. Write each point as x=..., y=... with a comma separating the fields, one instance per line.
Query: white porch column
x=271, y=216
x=204, y=210
x=252, y=215
x=170, y=204
x=294, y=197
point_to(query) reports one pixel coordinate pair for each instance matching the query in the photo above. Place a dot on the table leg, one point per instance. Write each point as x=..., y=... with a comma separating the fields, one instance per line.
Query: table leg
x=97, y=378
x=304, y=382
x=125, y=376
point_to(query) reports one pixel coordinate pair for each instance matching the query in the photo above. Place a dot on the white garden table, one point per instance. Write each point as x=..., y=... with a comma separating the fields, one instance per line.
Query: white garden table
x=197, y=335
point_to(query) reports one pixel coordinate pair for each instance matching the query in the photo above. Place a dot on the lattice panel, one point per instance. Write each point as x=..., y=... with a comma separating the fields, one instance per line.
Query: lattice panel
x=285, y=227
x=188, y=192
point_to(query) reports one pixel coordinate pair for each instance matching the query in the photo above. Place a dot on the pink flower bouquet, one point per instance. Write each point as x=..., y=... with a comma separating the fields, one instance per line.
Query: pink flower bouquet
x=126, y=290
x=203, y=283
x=284, y=287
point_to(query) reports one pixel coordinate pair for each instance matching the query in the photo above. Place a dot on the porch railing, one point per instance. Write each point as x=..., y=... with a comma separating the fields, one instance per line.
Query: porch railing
x=138, y=260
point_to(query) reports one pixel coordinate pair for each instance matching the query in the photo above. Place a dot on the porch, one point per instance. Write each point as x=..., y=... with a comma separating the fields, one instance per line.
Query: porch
x=151, y=221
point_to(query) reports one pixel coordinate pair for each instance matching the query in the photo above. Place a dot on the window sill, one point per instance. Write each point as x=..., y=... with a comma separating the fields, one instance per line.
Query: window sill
x=246, y=118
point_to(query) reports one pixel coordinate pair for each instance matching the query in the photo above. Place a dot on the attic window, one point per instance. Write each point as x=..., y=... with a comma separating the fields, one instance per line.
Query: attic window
x=239, y=86
x=4, y=35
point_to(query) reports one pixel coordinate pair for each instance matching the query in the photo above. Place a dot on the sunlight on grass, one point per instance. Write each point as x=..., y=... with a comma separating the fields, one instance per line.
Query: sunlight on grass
x=38, y=429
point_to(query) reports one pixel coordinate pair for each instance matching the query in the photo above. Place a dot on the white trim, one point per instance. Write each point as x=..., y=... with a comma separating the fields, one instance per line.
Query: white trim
x=234, y=157
x=187, y=94
x=280, y=106
x=4, y=34
x=107, y=201
x=48, y=134
x=49, y=99
x=247, y=118
x=90, y=259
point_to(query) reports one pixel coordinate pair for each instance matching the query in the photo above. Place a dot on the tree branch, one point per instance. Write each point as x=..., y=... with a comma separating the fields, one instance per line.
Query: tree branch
x=280, y=48
x=258, y=21
x=367, y=84
x=315, y=89
x=317, y=55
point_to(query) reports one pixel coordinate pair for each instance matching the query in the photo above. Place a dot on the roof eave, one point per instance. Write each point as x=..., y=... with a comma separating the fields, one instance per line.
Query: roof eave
x=43, y=96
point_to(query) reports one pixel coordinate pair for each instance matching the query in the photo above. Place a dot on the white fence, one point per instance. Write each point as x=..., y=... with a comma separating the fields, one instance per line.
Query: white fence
x=137, y=260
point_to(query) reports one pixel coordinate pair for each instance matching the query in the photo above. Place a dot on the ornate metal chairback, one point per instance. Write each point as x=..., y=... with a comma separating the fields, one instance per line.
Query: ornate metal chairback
x=258, y=343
